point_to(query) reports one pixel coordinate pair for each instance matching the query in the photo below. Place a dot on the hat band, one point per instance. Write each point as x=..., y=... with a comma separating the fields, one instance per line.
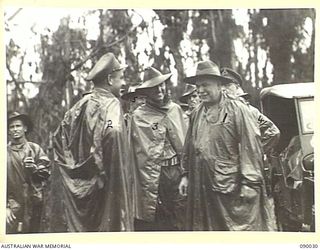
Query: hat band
x=208, y=71
x=120, y=68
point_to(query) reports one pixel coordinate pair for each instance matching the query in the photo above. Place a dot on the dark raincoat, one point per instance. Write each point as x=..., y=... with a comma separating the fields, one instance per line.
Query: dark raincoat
x=91, y=174
x=270, y=134
x=222, y=153
x=157, y=135
x=24, y=188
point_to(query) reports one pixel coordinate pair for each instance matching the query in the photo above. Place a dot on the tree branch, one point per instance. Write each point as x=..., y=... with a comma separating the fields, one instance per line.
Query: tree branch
x=97, y=49
x=19, y=90
x=14, y=15
x=213, y=29
x=92, y=54
x=20, y=66
x=34, y=82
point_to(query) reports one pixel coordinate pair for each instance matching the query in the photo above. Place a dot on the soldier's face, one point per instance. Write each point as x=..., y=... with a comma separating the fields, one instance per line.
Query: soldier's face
x=209, y=90
x=193, y=100
x=117, y=82
x=135, y=102
x=157, y=93
x=17, y=129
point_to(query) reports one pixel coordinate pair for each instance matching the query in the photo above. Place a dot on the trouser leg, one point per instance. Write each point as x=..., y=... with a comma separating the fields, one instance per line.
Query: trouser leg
x=170, y=212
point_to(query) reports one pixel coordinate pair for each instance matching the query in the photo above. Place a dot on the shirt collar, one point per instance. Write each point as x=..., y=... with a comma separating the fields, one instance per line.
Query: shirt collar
x=223, y=100
x=164, y=107
x=19, y=146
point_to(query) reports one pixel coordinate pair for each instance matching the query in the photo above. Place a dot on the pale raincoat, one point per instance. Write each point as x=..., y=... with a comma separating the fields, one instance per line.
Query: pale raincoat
x=222, y=153
x=157, y=135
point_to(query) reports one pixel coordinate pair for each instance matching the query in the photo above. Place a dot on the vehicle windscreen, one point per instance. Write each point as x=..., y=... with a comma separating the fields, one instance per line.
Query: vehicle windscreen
x=306, y=113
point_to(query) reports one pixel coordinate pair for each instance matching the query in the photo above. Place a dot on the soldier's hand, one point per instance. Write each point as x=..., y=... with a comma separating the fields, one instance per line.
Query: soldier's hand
x=29, y=163
x=39, y=172
x=101, y=181
x=183, y=186
x=10, y=216
x=42, y=172
x=28, y=160
x=248, y=193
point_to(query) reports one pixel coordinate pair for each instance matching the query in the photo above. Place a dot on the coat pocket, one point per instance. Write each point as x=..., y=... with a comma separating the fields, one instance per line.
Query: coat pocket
x=225, y=176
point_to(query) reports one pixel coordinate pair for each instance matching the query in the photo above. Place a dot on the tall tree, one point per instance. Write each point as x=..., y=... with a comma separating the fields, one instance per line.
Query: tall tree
x=218, y=28
x=175, y=22
x=283, y=29
x=58, y=53
x=118, y=35
x=280, y=33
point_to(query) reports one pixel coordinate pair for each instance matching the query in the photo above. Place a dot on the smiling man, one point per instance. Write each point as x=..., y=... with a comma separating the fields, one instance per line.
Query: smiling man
x=222, y=160
x=27, y=170
x=91, y=184
x=157, y=135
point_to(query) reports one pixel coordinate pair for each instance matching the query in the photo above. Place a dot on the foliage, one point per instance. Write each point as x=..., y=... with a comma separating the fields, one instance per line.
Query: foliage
x=287, y=24
x=272, y=50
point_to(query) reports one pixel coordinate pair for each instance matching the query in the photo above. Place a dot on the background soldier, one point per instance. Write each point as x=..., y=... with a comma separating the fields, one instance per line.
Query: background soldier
x=270, y=134
x=132, y=102
x=191, y=97
x=27, y=170
x=92, y=175
x=157, y=136
x=222, y=161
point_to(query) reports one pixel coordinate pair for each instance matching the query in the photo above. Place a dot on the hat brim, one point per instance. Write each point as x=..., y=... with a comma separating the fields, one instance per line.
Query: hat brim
x=184, y=106
x=153, y=82
x=193, y=79
x=244, y=95
x=122, y=67
x=128, y=96
x=185, y=96
x=25, y=119
x=91, y=77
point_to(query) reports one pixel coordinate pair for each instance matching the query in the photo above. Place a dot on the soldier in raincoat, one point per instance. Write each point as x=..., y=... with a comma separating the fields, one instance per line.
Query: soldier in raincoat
x=270, y=134
x=91, y=175
x=157, y=136
x=222, y=161
x=190, y=97
x=27, y=172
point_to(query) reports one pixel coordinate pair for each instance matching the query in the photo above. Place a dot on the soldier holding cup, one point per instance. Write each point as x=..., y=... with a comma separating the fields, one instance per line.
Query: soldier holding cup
x=27, y=170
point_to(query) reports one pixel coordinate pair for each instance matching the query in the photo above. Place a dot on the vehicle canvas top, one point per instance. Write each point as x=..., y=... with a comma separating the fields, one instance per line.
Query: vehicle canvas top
x=289, y=90
x=282, y=103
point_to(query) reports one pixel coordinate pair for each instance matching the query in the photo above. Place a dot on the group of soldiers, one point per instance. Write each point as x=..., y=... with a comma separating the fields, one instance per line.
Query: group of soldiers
x=159, y=167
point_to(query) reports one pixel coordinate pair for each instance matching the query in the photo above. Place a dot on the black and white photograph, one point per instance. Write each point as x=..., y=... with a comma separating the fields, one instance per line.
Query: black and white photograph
x=159, y=120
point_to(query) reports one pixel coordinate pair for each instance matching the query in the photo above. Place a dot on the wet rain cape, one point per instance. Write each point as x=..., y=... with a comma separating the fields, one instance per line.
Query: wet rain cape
x=222, y=153
x=24, y=192
x=91, y=174
x=157, y=134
